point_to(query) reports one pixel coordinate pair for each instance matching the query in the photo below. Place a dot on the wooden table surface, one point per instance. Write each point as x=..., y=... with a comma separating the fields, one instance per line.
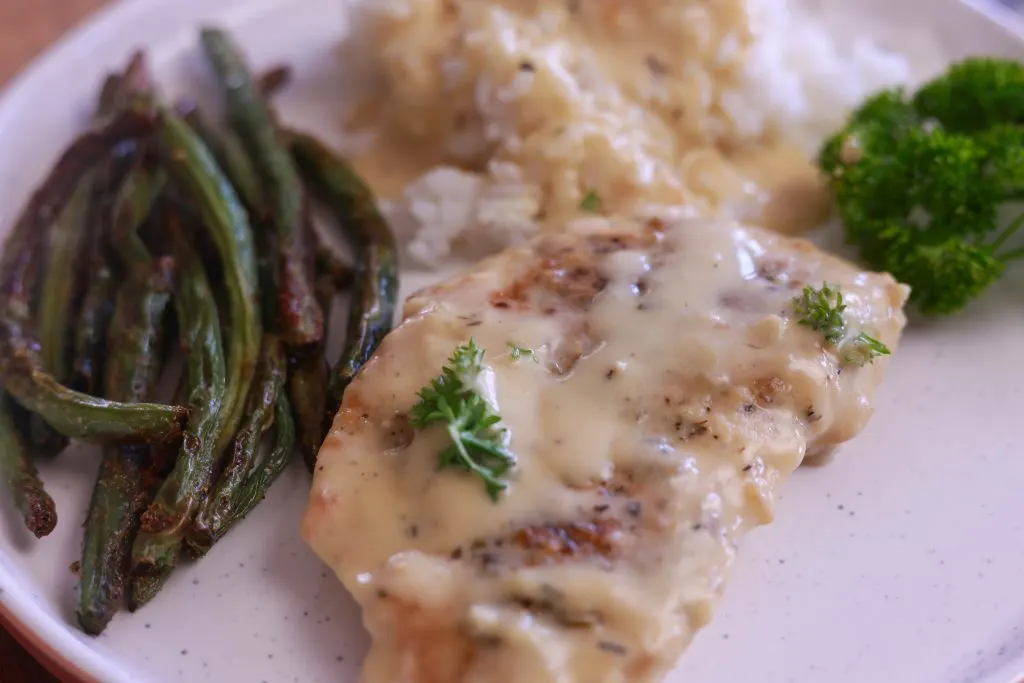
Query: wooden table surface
x=26, y=27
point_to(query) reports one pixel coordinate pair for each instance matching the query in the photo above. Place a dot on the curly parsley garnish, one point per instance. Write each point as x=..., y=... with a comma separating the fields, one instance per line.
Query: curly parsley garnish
x=591, y=202
x=517, y=352
x=863, y=349
x=477, y=442
x=822, y=311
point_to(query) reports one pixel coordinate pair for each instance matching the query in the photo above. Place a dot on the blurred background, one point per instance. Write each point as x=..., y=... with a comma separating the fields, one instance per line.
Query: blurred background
x=28, y=26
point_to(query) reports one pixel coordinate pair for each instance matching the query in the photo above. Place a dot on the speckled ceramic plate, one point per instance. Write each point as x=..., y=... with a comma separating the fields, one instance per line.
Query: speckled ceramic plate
x=901, y=562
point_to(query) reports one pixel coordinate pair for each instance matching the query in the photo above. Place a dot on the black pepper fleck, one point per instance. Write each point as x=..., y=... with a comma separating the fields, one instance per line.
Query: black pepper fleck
x=457, y=554
x=527, y=66
x=747, y=468
x=634, y=508
x=600, y=508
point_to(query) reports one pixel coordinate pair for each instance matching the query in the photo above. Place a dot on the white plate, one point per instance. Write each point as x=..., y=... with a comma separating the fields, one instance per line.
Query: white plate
x=900, y=562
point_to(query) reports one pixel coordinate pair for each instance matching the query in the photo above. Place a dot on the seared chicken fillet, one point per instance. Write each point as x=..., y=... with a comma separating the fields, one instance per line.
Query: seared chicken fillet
x=670, y=392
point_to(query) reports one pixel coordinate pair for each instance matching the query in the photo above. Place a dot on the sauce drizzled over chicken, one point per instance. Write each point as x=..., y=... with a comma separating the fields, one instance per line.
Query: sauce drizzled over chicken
x=669, y=391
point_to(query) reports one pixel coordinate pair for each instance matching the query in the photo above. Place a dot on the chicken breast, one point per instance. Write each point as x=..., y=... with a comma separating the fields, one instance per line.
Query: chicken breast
x=669, y=392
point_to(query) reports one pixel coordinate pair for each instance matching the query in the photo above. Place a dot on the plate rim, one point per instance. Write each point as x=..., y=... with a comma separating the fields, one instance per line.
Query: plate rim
x=65, y=657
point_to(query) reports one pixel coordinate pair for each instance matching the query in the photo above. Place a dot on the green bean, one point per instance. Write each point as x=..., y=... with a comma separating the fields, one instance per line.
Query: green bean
x=24, y=487
x=220, y=511
x=331, y=265
x=142, y=588
x=254, y=489
x=375, y=295
x=97, y=307
x=70, y=412
x=126, y=473
x=57, y=296
x=62, y=275
x=307, y=379
x=191, y=165
x=231, y=155
x=133, y=204
x=273, y=80
x=181, y=495
x=256, y=486
x=301, y=317
x=99, y=283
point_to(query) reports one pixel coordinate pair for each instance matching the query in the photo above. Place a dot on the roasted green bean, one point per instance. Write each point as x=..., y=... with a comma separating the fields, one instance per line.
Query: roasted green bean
x=221, y=509
x=256, y=486
x=100, y=283
x=100, y=286
x=132, y=206
x=64, y=272
x=190, y=164
x=331, y=265
x=181, y=495
x=24, y=487
x=375, y=294
x=227, y=149
x=127, y=473
x=307, y=377
x=272, y=81
x=301, y=317
x=69, y=412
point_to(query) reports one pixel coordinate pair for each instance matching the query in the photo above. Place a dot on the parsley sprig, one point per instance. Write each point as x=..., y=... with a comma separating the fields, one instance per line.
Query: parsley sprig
x=822, y=311
x=477, y=440
x=517, y=352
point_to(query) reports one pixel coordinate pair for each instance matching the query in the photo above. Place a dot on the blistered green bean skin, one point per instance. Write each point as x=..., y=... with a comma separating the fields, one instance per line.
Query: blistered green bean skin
x=248, y=113
x=308, y=374
x=190, y=164
x=126, y=473
x=166, y=521
x=221, y=509
x=255, y=487
x=227, y=149
x=375, y=286
x=70, y=412
x=21, y=480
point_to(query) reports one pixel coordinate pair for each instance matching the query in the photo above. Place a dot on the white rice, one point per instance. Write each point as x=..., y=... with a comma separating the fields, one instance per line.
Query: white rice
x=806, y=68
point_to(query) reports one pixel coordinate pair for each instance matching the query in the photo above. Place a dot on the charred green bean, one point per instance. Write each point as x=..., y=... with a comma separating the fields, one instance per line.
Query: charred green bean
x=70, y=412
x=181, y=495
x=190, y=164
x=124, y=483
x=301, y=317
x=375, y=294
x=24, y=487
x=220, y=510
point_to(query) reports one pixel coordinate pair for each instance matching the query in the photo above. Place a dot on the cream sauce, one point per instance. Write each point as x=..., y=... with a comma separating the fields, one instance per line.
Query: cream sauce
x=672, y=395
